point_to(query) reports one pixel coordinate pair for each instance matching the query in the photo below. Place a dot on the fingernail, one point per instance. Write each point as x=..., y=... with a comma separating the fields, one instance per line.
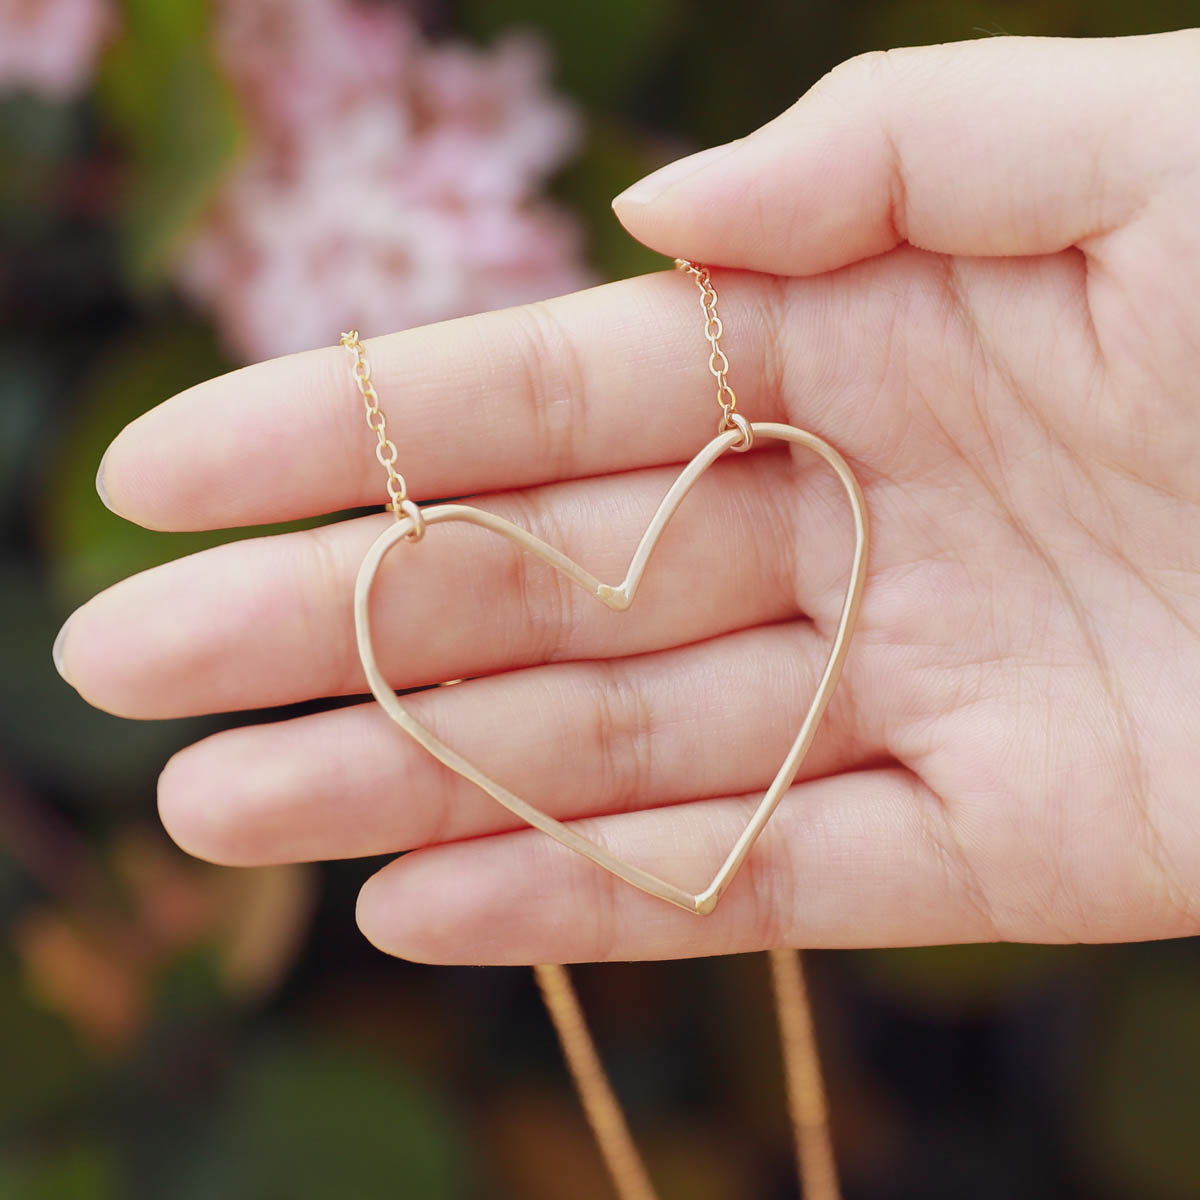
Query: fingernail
x=101, y=490
x=57, y=652
x=648, y=189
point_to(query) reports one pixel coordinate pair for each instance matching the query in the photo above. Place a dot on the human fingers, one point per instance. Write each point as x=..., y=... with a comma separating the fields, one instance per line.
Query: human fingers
x=1000, y=146
x=607, y=379
x=574, y=739
x=268, y=621
x=857, y=859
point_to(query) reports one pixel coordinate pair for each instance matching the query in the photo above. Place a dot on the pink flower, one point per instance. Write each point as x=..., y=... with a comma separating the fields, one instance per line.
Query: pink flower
x=388, y=183
x=50, y=46
x=296, y=60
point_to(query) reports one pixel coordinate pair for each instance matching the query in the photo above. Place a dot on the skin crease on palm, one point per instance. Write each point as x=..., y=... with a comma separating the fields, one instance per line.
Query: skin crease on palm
x=972, y=268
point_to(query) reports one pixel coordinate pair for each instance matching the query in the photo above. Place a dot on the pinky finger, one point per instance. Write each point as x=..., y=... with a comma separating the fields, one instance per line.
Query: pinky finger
x=848, y=860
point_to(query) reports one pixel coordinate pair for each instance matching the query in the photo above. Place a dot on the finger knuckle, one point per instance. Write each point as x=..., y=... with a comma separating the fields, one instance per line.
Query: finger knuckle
x=864, y=71
x=623, y=737
x=773, y=895
x=546, y=597
x=553, y=384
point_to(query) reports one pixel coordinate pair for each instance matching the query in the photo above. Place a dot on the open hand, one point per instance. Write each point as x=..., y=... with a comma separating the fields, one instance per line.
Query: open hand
x=975, y=269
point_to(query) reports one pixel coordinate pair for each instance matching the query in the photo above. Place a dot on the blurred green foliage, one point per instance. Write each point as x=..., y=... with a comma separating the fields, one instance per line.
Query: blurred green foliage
x=133, y=1062
x=307, y=1119
x=962, y=979
x=42, y=1052
x=90, y=546
x=163, y=94
x=1140, y=1114
x=82, y=749
x=602, y=50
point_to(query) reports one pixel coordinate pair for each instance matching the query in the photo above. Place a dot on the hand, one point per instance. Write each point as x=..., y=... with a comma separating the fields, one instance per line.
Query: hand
x=980, y=282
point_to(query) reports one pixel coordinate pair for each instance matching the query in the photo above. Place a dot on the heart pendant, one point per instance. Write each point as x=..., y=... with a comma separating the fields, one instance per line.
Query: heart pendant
x=620, y=597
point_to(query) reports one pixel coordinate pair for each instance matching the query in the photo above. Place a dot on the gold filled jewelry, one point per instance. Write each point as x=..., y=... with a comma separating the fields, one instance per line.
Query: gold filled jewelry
x=734, y=434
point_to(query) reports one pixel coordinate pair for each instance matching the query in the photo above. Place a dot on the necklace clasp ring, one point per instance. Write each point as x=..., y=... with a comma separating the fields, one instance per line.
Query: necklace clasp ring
x=733, y=420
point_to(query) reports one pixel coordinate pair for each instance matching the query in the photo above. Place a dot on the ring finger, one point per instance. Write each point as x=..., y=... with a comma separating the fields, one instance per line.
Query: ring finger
x=574, y=739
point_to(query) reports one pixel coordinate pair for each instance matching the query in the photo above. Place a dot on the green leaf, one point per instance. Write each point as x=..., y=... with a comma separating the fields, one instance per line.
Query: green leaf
x=76, y=1173
x=90, y=547
x=599, y=48
x=164, y=93
x=307, y=1119
x=45, y=1067
x=189, y=986
x=612, y=159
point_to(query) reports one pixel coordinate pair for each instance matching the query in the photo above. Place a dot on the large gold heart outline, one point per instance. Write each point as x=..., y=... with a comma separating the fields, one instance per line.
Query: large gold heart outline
x=620, y=598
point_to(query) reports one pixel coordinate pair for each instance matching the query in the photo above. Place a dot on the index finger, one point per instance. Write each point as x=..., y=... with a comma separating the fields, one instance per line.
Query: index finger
x=611, y=378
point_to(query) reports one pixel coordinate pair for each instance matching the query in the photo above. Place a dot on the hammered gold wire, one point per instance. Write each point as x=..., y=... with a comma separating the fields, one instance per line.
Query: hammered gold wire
x=807, y=1102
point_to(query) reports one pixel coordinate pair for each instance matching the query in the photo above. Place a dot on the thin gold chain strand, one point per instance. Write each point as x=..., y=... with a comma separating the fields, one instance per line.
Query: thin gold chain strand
x=815, y=1159
x=385, y=451
x=718, y=363
x=600, y=1104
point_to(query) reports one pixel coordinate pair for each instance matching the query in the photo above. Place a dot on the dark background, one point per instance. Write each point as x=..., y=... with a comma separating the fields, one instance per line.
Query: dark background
x=178, y=1031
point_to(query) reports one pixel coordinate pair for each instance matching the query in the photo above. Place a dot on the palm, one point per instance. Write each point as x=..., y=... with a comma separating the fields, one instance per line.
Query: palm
x=1033, y=613
x=1008, y=753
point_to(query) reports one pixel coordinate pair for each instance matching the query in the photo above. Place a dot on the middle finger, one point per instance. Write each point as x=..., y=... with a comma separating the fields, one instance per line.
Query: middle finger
x=269, y=621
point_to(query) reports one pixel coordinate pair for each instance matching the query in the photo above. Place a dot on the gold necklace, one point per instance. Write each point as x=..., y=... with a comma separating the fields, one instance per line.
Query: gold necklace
x=736, y=434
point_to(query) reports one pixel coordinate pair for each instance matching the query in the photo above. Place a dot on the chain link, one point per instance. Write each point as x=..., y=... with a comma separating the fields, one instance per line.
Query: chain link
x=718, y=364
x=387, y=454
x=385, y=450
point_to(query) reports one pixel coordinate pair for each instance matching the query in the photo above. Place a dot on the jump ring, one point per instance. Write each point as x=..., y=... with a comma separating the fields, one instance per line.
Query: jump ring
x=739, y=422
x=413, y=513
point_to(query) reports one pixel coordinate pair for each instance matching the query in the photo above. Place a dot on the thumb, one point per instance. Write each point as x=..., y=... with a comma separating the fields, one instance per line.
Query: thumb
x=992, y=147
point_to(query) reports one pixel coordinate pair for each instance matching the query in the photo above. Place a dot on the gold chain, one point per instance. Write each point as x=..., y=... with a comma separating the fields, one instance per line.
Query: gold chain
x=809, y=1109
x=385, y=451
x=718, y=363
x=806, y=1094
x=600, y=1104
